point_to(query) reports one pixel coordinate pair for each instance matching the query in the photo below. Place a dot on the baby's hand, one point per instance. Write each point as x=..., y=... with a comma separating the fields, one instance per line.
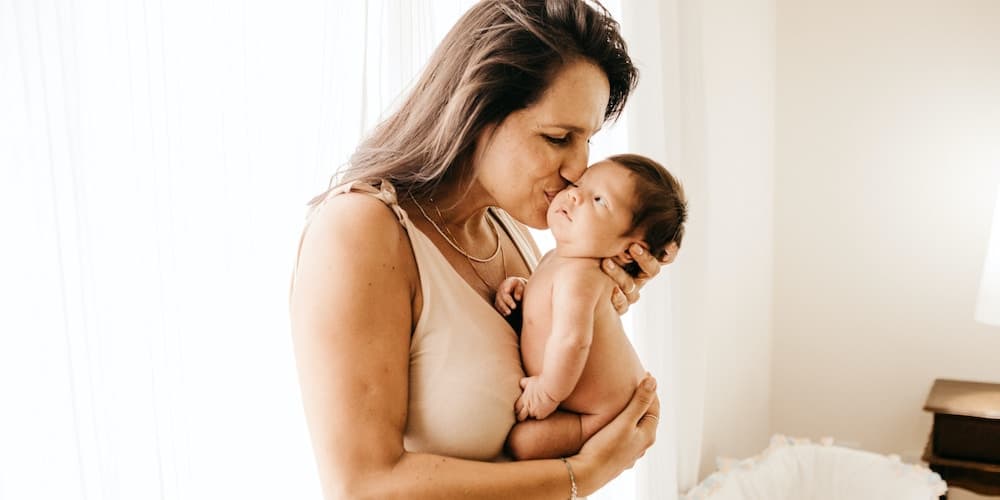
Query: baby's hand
x=534, y=401
x=509, y=293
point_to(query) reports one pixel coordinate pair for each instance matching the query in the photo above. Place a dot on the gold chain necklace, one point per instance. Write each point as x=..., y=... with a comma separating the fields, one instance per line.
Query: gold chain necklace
x=469, y=258
x=451, y=239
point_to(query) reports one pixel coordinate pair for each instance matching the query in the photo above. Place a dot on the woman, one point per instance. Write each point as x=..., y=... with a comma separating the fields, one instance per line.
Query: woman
x=408, y=374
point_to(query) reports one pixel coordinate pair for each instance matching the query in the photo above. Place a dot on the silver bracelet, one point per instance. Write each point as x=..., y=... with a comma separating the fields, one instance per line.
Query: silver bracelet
x=572, y=479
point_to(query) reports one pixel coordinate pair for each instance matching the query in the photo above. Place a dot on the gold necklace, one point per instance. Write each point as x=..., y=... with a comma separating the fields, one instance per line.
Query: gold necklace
x=451, y=239
x=469, y=258
x=489, y=288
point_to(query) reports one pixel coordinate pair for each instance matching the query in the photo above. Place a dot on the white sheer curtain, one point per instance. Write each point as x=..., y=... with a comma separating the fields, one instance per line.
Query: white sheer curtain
x=154, y=162
x=667, y=121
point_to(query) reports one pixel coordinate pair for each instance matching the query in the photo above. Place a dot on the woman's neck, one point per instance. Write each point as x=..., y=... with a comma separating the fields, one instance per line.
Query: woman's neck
x=461, y=208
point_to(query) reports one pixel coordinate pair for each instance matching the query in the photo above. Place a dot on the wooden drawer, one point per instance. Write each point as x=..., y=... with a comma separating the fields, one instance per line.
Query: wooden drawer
x=967, y=438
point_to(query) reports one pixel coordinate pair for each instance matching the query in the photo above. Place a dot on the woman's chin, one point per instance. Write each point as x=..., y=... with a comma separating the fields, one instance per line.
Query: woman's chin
x=539, y=225
x=537, y=219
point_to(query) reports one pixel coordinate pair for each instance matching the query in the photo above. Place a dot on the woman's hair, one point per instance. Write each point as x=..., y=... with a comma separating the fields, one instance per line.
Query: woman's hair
x=660, y=205
x=498, y=58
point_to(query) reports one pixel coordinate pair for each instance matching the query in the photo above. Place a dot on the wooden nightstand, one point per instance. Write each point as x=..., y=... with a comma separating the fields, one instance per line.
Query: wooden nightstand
x=964, y=445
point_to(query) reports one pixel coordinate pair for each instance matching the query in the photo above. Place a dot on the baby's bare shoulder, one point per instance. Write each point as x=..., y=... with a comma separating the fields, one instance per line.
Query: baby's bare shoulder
x=581, y=272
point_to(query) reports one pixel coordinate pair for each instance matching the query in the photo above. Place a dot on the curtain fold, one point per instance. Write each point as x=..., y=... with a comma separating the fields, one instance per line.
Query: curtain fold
x=667, y=122
x=153, y=173
x=156, y=161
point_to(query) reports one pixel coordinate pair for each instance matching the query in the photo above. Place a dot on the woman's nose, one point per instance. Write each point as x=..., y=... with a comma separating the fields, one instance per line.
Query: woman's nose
x=575, y=163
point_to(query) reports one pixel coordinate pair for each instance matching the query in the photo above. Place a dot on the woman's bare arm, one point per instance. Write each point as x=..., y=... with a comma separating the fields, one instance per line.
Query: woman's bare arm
x=352, y=316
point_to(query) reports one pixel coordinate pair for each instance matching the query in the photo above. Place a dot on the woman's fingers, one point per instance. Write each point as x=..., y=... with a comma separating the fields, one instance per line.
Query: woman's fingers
x=632, y=291
x=642, y=404
x=627, y=292
x=620, y=443
x=651, y=419
x=646, y=407
x=619, y=301
x=647, y=262
x=620, y=277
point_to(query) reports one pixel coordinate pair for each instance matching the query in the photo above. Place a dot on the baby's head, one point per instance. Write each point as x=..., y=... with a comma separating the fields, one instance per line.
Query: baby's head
x=660, y=206
x=619, y=201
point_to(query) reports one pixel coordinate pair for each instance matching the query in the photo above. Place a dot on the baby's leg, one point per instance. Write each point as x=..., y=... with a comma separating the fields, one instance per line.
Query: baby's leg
x=562, y=434
x=558, y=435
x=592, y=422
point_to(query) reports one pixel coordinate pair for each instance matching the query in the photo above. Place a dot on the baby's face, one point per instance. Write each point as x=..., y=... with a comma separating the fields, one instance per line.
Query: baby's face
x=594, y=217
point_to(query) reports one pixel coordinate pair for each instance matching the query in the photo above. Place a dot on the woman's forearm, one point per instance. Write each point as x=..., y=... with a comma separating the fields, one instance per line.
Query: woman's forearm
x=420, y=476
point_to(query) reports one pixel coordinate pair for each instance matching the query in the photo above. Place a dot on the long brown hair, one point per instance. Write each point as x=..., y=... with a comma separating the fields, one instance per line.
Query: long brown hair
x=498, y=58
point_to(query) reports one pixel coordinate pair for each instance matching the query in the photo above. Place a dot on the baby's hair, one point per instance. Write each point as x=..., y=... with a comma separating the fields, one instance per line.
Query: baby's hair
x=660, y=206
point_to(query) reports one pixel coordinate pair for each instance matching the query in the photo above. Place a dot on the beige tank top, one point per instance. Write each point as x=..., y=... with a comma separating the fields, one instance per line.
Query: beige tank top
x=465, y=362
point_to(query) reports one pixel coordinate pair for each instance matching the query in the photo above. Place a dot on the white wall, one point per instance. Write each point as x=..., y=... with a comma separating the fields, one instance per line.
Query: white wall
x=887, y=164
x=738, y=49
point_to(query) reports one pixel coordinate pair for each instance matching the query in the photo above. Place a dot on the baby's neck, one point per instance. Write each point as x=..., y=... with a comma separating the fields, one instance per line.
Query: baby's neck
x=566, y=253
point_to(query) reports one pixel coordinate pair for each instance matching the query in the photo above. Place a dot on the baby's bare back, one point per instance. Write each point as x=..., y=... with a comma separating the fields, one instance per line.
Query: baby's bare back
x=612, y=370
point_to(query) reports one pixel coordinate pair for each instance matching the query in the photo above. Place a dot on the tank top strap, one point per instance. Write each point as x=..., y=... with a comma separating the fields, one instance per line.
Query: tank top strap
x=521, y=238
x=384, y=192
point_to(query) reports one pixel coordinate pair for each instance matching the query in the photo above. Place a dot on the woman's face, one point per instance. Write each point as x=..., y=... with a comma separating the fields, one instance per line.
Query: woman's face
x=532, y=155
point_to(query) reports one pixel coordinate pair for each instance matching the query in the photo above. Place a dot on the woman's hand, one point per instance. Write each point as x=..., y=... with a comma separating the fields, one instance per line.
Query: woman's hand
x=627, y=292
x=619, y=444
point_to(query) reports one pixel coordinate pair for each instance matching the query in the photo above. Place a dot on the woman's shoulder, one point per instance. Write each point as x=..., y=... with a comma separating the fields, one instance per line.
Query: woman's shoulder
x=358, y=228
x=355, y=210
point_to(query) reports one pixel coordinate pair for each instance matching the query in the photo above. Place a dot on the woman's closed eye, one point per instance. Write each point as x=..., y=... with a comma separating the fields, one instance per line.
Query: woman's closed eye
x=559, y=141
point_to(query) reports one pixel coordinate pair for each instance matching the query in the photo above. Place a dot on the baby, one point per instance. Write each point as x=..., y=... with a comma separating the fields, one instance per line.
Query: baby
x=573, y=347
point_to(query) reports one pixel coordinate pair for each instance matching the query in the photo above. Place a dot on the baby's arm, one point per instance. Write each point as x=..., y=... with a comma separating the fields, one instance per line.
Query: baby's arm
x=576, y=290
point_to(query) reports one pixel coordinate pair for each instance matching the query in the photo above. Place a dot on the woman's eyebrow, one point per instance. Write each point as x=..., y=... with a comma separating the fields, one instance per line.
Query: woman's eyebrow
x=573, y=128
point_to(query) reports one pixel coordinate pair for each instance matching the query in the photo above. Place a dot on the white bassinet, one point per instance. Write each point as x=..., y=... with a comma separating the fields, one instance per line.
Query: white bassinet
x=796, y=469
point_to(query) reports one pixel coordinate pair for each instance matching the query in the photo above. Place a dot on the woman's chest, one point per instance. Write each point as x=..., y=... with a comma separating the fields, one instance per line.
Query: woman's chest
x=464, y=380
